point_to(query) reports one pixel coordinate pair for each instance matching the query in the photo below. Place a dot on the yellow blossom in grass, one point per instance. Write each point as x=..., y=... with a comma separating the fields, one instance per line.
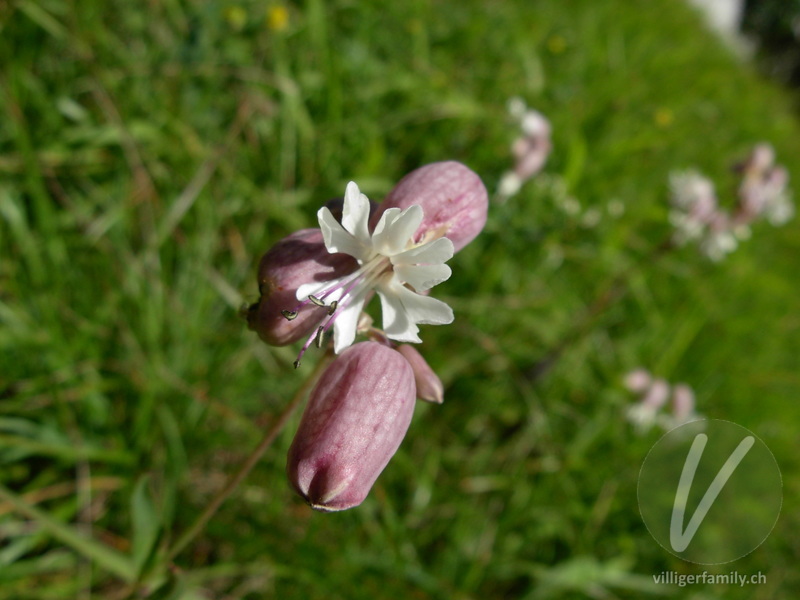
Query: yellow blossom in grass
x=663, y=117
x=236, y=17
x=277, y=17
x=556, y=44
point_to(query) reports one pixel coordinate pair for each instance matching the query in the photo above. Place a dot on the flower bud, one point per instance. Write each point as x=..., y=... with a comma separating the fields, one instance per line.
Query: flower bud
x=297, y=259
x=638, y=380
x=683, y=403
x=531, y=155
x=657, y=395
x=453, y=199
x=760, y=160
x=429, y=386
x=356, y=418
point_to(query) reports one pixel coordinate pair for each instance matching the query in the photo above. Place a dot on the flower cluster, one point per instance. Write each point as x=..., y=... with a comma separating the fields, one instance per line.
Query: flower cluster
x=696, y=215
x=530, y=150
x=317, y=280
x=764, y=189
x=654, y=395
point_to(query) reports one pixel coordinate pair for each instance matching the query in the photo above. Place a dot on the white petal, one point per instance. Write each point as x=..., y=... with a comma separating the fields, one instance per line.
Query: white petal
x=423, y=277
x=312, y=289
x=395, y=231
x=355, y=213
x=384, y=224
x=424, y=309
x=403, y=309
x=336, y=238
x=396, y=323
x=344, y=327
x=432, y=253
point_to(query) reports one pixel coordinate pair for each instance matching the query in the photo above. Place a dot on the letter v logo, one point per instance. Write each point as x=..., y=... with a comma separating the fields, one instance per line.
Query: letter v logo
x=680, y=540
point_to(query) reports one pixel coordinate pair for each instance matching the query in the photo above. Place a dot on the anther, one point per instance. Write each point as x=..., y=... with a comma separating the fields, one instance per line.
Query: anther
x=320, y=336
x=317, y=301
x=296, y=363
x=332, y=307
x=289, y=314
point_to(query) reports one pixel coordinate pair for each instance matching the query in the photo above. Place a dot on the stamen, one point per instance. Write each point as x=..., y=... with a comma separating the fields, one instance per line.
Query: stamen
x=362, y=278
x=311, y=339
x=317, y=299
x=320, y=335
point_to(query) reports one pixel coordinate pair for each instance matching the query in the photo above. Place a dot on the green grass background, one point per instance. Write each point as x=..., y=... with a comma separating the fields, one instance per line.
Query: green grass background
x=149, y=153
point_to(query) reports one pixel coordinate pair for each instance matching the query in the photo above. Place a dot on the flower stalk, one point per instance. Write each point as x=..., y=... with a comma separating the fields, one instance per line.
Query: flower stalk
x=244, y=470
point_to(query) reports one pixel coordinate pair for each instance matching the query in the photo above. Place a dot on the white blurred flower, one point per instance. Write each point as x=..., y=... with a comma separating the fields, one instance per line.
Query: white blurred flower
x=780, y=211
x=510, y=184
x=696, y=217
x=692, y=191
x=615, y=208
x=591, y=218
x=570, y=206
x=717, y=245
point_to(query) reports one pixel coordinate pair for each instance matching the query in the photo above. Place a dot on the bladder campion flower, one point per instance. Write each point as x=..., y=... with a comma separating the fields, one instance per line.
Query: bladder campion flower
x=388, y=259
x=763, y=192
x=361, y=407
x=320, y=279
x=654, y=394
x=530, y=150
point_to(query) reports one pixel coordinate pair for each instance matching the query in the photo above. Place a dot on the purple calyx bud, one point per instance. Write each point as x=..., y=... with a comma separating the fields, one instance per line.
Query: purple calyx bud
x=453, y=199
x=356, y=417
x=297, y=259
x=429, y=386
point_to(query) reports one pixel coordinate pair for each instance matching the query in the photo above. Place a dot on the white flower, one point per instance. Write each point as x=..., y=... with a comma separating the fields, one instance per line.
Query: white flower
x=644, y=414
x=691, y=190
x=641, y=416
x=390, y=263
x=779, y=210
x=510, y=184
x=535, y=124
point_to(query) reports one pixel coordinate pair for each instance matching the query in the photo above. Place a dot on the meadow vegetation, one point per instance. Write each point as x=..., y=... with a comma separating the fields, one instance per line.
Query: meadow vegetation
x=150, y=153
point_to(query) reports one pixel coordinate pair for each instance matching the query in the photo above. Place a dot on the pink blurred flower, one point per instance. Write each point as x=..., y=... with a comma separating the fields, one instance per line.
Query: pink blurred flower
x=763, y=193
x=530, y=150
x=654, y=394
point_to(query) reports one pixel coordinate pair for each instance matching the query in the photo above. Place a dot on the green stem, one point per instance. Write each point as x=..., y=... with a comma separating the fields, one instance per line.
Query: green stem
x=244, y=470
x=105, y=556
